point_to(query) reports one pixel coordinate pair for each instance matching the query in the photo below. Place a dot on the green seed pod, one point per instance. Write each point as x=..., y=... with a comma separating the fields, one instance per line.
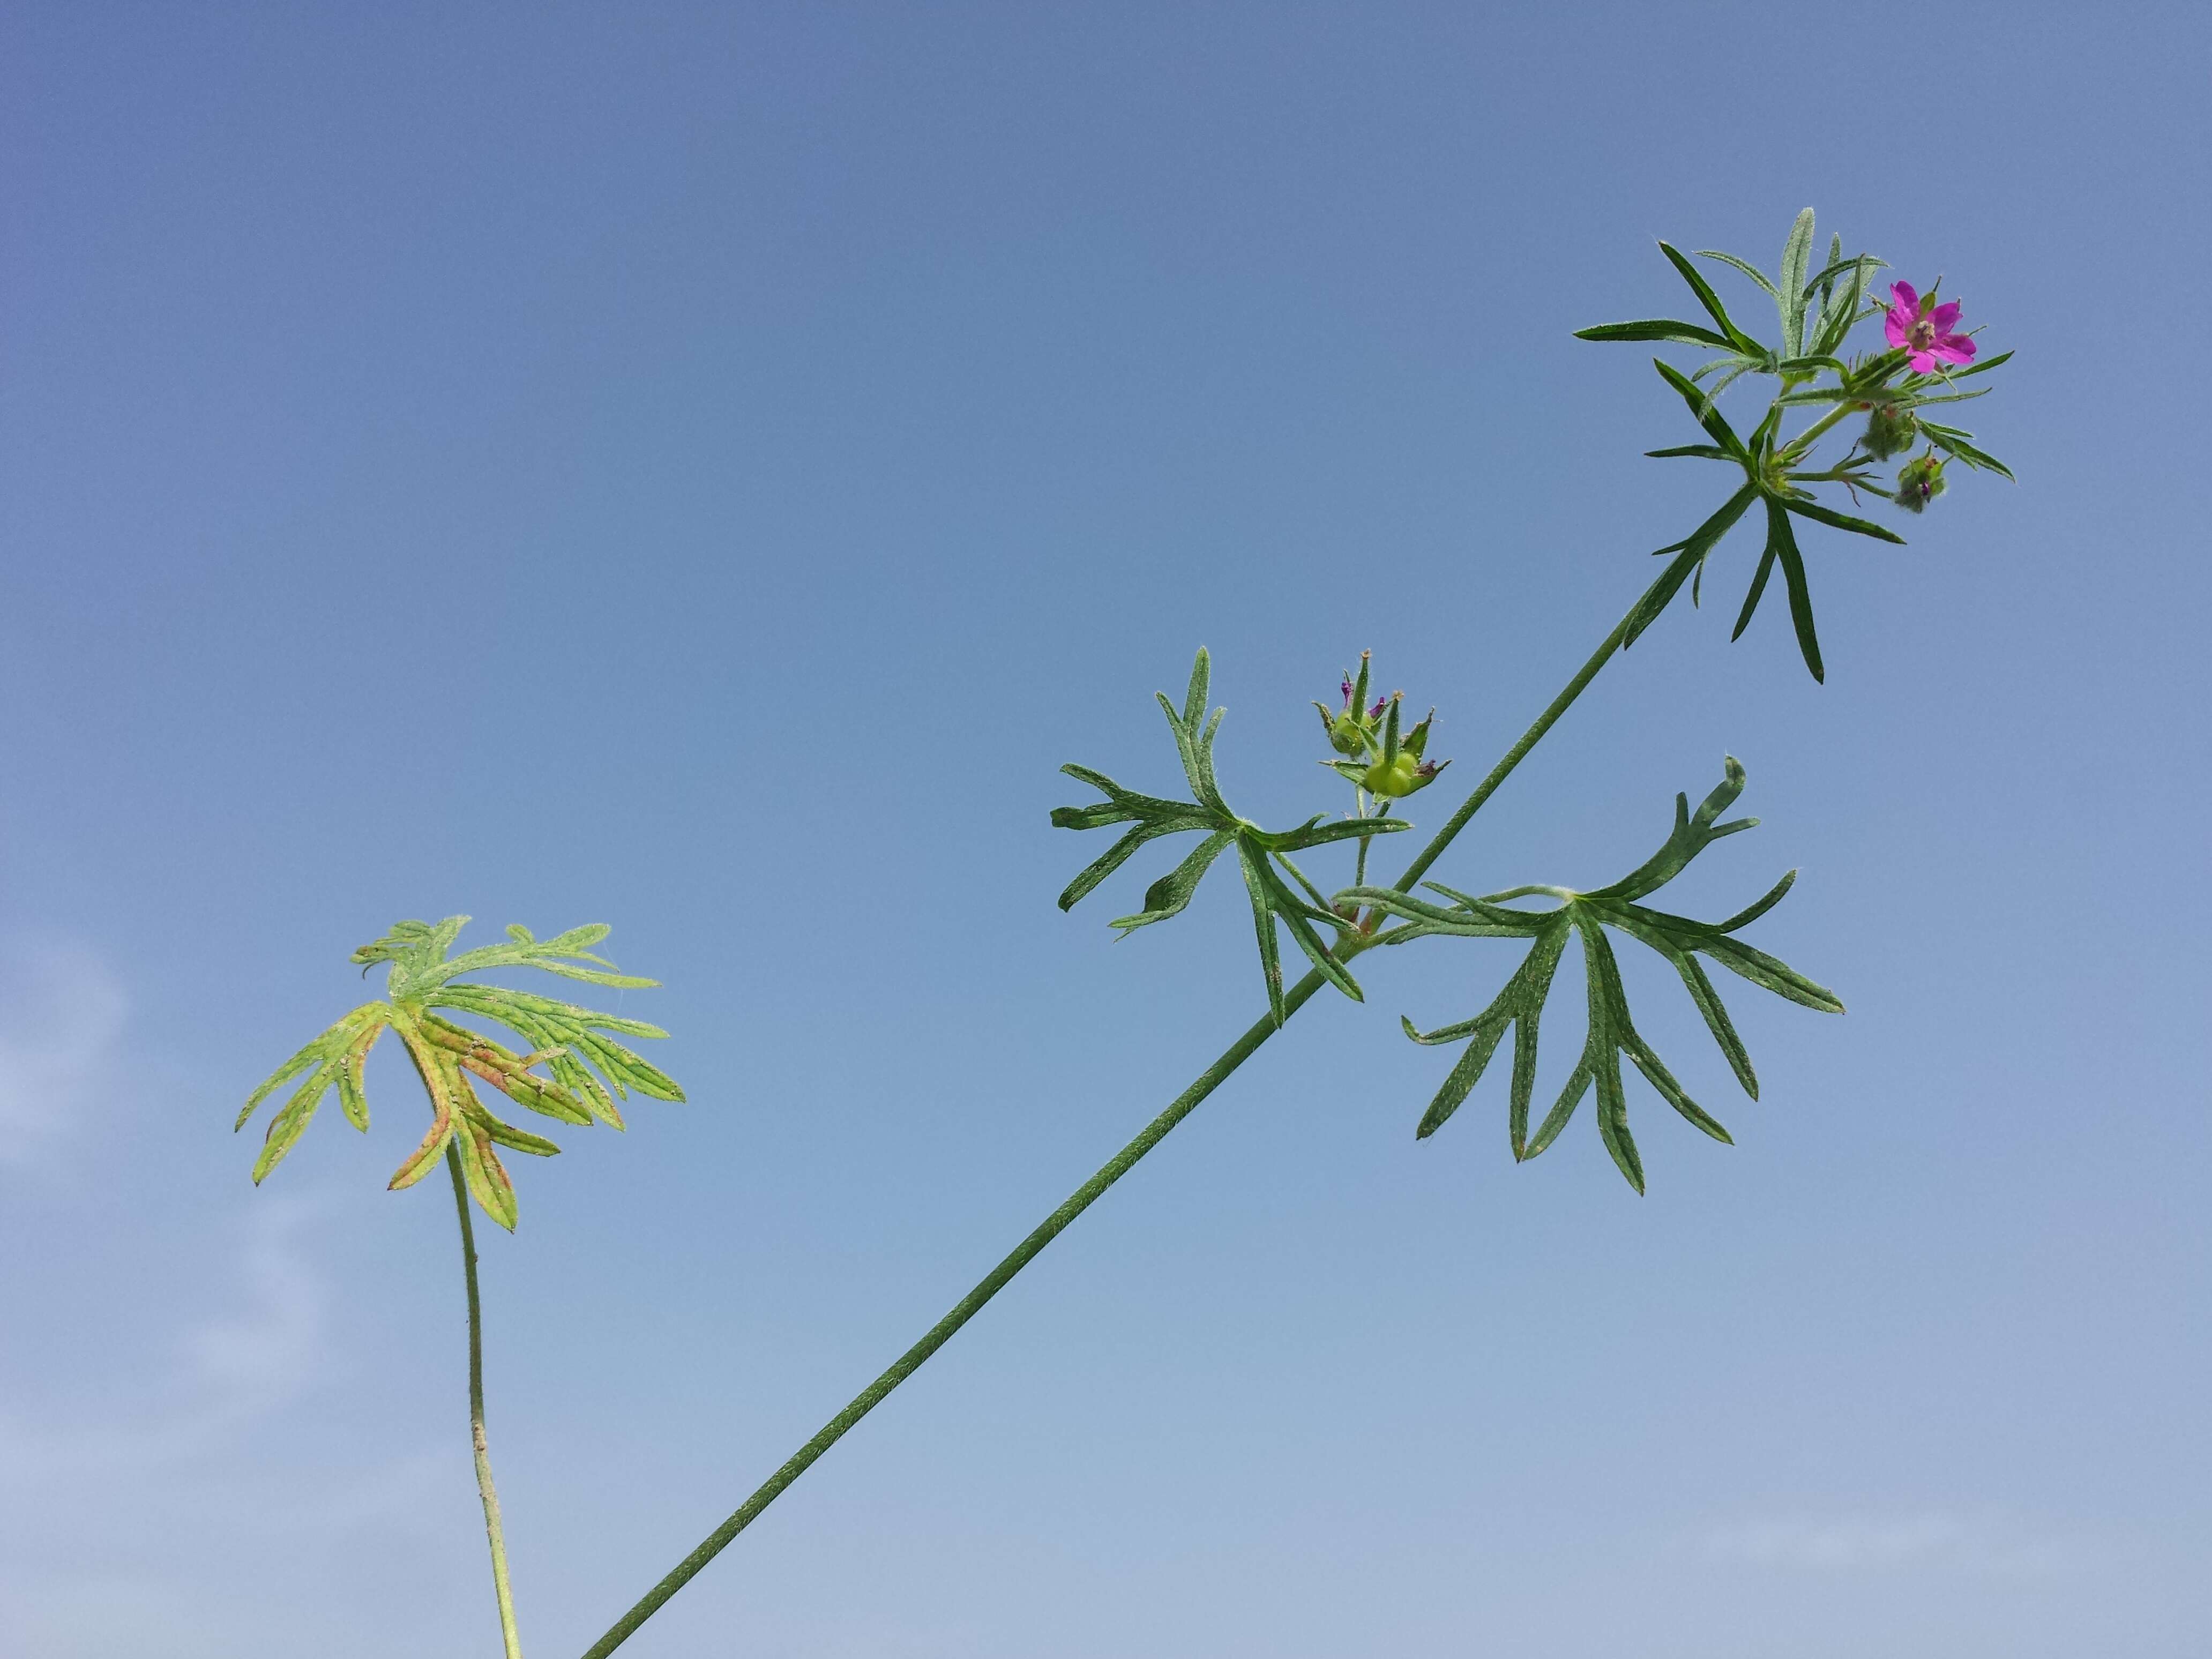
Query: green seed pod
x=1395, y=778
x=1347, y=733
x=1919, y=482
x=1403, y=776
x=1890, y=431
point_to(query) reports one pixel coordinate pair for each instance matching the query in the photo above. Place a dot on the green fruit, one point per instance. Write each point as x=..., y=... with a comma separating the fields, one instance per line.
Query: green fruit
x=1890, y=430
x=1919, y=482
x=1395, y=778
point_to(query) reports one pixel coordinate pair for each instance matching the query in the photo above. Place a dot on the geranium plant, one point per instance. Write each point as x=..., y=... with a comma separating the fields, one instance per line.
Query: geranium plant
x=1817, y=376
x=422, y=987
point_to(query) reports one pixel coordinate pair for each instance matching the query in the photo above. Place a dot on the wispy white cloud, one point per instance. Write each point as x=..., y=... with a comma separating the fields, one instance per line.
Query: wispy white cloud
x=229, y=1368
x=62, y=1012
x=1930, y=1539
x=130, y=1514
x=147, y=1466
x=261, y=1355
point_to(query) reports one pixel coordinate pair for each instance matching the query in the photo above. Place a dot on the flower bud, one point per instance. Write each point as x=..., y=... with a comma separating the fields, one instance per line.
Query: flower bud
x=1378, y=757
x=1919, y=482
x=1350, y=730
x=1890, y=430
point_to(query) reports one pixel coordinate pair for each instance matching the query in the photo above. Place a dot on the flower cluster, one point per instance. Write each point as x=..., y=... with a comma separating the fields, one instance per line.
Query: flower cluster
x=1379, y=759
x=1928, y=355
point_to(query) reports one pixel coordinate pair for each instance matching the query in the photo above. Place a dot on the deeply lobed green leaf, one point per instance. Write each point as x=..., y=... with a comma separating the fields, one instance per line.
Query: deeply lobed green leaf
x=1610, y=1030
x=589, y=1069
x=1282, y=898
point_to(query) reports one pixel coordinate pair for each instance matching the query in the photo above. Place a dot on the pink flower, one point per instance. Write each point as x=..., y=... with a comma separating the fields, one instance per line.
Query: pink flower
x=1925, y=329
x=1374, y=714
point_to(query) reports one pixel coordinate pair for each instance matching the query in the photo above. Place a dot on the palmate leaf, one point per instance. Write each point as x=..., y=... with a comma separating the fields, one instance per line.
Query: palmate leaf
x=1610, y=1031
x=1279, y=905
x=589, y=1069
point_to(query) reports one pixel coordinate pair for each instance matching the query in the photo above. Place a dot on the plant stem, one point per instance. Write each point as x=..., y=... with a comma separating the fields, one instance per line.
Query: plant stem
x=1519, y=752
x=493, y=1530
x=1795, y=448
x=908, y=1362
x=1081, y=1200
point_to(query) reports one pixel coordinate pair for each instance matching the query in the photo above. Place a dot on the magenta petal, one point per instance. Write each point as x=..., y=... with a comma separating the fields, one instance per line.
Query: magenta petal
x=1906, y=295
x=1897, y=326
x=1945, y=316
x=1954, y=348
x=1923, y=362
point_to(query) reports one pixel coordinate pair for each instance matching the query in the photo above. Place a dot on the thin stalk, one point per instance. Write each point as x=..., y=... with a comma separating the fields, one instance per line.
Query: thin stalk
x=493, y=1530
x=1795, y=448
x=908, y=1362
x=1519, y=752
x=1083, y=1196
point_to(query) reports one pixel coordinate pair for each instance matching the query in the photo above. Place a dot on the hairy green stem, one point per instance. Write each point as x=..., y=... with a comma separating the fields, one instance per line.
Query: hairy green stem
x=1797, y=447
x=1519, y=752
x=1081, y=1200
x=493, y=1530
x=908, y=1362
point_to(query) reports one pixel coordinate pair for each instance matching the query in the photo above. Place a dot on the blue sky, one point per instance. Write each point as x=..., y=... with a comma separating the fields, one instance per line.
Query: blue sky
x=702, y=468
